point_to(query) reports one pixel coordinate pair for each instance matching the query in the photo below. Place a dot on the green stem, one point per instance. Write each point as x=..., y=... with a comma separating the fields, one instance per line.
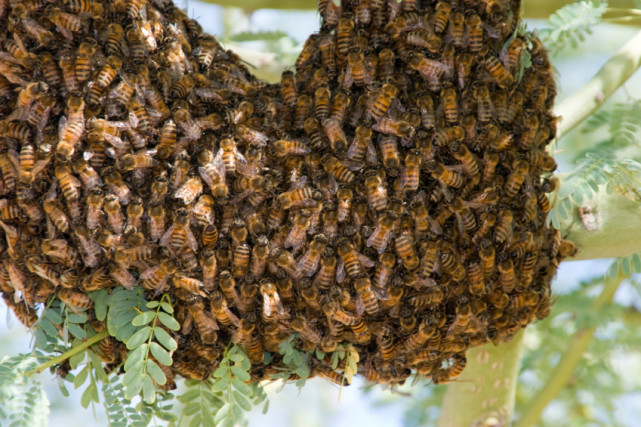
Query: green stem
x=618, y=231
x=70, y=353
x=569, y=360
x=614, y=73
x=484, y=393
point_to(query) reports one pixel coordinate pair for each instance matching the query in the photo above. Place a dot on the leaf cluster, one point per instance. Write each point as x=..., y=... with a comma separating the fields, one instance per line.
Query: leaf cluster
x=224, y=399
x=619, y=176
x=569, y=26
x=23, y=402
x=149, y=346
x=297, y=361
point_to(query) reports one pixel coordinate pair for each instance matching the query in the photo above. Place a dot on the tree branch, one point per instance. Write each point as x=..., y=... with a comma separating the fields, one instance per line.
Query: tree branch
x=614, y=73
x=70, y=353
x=484, y=393
x=618, y=232
x=569, y=360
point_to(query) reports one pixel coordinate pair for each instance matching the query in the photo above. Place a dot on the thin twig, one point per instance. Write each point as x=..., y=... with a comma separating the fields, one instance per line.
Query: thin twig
x=615, y=72
x=70, y=353
x=569, y=360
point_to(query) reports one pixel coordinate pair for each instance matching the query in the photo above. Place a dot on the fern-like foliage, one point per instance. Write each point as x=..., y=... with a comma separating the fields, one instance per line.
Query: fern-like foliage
x=571, y=24
x=621, y=177
x=23, y=401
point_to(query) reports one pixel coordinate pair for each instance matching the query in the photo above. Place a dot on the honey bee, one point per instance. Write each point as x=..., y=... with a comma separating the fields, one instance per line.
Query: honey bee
x=139, y=117
x=342, y=101
x=507, y=276
x=206, y=325
x=376, y=191
x=350, y=258
x=335, y=134
x=382, y=233
x=511, y=56
x=459, y=363
x=498, y=72
x=57, y=216
x=77, y=301
x=321, y=103
x=406, y=251
x=288, y=88
x=384, y=270
x=295, y=197
x=113, y=39
x=344, y=35
x=308, y=51
x=223, y=314
x=395, y=127
x=385, y=341
x=326, y=273
x=240, y=260
x=300, y=325
x=466, y=219
x=115, y=218
x=180, y=234
x=385, y=69
x=328, y=55
x=272, y=306
x=50, y=70
x=410, y=176
x=308, y=263
x=417, y=340
x=337, y=314
x=446, y=176
x=361, y=145
x=356, y=72
x=516, y=178
x=334, y=166
x=66, y=23
x=367, y=300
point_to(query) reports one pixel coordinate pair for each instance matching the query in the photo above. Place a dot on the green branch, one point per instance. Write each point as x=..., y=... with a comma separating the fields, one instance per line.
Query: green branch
x=484, y=393
x=618, y=231
x=569, y=360
x=615, y=72
x=70, y=353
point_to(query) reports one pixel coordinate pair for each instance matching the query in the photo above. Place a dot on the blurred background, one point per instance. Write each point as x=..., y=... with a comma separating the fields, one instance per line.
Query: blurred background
x=605, y=389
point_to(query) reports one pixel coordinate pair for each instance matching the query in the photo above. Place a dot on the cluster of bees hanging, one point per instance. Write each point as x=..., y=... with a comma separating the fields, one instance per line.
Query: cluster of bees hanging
x=387, y=195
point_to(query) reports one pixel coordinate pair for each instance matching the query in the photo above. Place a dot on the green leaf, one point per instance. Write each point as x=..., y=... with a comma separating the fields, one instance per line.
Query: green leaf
x=101, y=300
x=77, y=331
x=167, y=307
x=136, y=356
x=143, y=318
x=81, y=377
x=77, y=317
x=165, y=339
x=76, y=359
x=242, y=401
x=222, y=412
x=97, y=366
x=160, y=354
x=220, y=385
x=241, y=386
x=222, y=371
x=53, y=316
x=88, y=396
x=148, y=390
x=239, y=373
x=155, y=372
x=139, y=338
x=168, y=321
x=152, y=304
x=133, y=383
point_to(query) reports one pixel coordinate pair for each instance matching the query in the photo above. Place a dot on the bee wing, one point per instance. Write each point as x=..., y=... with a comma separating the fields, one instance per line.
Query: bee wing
x=241, y=196
x=164, y=240
x=62, y=125
x=365, y=261
x=191, y=240
x=370, y=155
x=340, y=270
x=299, y=183
x=381, y=293
x=360, y=307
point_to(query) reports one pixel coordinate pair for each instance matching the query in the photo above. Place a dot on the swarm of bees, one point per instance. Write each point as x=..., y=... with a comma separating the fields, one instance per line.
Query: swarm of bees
x=387, y=195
